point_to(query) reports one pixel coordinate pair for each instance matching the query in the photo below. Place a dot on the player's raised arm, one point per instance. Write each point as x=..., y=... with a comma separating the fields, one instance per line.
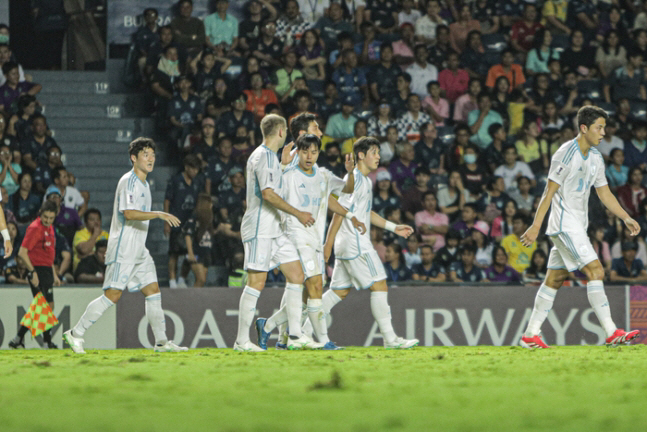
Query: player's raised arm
x=277, y=202
x=350, y=179
x=611, y=202
x=401, y=230
x=337, y=208
x=531, y=233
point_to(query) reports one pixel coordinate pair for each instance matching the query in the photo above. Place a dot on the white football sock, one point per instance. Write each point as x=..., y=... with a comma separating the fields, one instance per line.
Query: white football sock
x=293, y=301
x=600, y=304
x=318, y=319
x=280, y=318
x=382, y=314
x=246, y=310
x=283, y=327
x=306, y=326
x=155, y=316
x=92, y=313
x=330, y=299
x=543, y=304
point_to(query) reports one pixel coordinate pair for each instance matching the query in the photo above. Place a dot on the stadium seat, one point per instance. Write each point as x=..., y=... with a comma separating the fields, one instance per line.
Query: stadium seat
x=608, y=107
x=638, y=111
x=446, y=135
x=494, y=43
x=590, y=89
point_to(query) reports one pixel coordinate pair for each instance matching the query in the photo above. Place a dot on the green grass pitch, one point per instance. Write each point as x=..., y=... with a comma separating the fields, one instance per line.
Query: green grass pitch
x=579, y=388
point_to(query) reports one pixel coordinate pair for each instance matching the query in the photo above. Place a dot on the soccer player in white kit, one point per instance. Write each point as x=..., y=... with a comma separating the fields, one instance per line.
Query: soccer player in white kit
x=575, y=167
x=129, y=263
x=357, y=264
x=309, y=188
x=266, y=245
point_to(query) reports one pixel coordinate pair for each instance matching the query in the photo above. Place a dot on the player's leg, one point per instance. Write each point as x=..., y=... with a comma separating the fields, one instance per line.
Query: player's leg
x=544, y=300
x=155, y=314
x=317, y=316
x=185, y=268
x=598, y=299
x=96, y=308
x=257, y=263
x=382, y=315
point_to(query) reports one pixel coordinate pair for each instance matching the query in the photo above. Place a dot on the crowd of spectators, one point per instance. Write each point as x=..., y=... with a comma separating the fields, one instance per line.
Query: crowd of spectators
x=469, y=99
x=32, y=172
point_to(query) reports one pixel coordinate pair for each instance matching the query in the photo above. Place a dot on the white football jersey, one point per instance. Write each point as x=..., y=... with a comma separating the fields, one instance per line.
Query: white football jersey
x=349, y=243
x=575, y=175
x=261, y=220
x=309, y=193
x=127, y=241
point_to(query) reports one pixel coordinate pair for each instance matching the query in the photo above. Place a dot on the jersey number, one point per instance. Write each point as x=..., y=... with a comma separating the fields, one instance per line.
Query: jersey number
x=580, y=185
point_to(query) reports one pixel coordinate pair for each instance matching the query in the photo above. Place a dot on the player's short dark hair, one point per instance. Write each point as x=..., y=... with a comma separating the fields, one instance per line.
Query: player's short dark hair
x=426, y=194
x=48, y=206
x=138, y=145
x=103, y=243
x=53, y=147
x=147, y=10
x=7, y=67
x=406, y=76
x=90, y=211
x=386, y=45
x=453, y=234
x=468, y=248
x=483, y=94
x=301, y=123
x=192, y=161
x=56, y=172
x=389, y=211
x=38, y=116
x=305, y=141
x=472, y=206
x=344, y=36
x=363, y=145
x=588, y=115
x=333, y=144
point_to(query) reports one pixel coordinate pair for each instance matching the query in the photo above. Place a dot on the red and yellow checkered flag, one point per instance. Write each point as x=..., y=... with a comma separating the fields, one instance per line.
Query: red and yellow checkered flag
x=39, y=317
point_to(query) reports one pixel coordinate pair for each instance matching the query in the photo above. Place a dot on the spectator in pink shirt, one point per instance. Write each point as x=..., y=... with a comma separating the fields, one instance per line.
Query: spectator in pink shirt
x=431, y=223
x=467, y=102
x=434, y=105
x=403, y=49
x=453, y=81
x=458, y=31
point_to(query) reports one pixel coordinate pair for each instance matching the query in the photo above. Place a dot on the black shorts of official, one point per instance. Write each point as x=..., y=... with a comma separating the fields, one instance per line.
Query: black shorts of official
x=176, y=244
x=45, y=283
x=203, y=255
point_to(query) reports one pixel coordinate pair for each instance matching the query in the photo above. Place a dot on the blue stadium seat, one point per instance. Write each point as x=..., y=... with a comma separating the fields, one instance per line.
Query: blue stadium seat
x=638, y=111
x=494, y=43
x=446, y=135
x=590, y=89
x=608, y=107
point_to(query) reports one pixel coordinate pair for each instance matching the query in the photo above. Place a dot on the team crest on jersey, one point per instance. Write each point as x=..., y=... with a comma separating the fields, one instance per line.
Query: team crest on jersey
x=560, y=170
x=131, y=198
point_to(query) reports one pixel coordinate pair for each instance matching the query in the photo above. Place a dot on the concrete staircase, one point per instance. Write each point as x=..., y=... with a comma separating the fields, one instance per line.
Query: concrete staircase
x=93, y=118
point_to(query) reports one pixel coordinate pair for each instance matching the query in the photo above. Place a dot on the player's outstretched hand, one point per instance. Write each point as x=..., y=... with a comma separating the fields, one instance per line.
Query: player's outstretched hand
x=8, y=248
x=306, y=219
x=286, y=156
x=358, y=225
x=403, y=230
x=349, y=163
x=172, y=220
x=529, y=237
x=633, y=226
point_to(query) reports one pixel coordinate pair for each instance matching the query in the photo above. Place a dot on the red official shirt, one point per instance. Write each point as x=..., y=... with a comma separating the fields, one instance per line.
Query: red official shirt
x=40, y=242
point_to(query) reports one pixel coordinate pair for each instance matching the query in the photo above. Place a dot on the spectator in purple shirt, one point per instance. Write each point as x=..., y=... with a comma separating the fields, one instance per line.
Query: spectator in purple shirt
x=13, y=88
x=500, y=271
x=402, y=169
x=67, y=220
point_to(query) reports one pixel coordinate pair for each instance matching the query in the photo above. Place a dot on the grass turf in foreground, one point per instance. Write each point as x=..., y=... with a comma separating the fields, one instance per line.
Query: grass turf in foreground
x=359, y=389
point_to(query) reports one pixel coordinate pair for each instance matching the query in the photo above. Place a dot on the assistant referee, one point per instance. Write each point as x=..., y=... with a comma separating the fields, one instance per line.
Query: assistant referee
x=38, y=251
